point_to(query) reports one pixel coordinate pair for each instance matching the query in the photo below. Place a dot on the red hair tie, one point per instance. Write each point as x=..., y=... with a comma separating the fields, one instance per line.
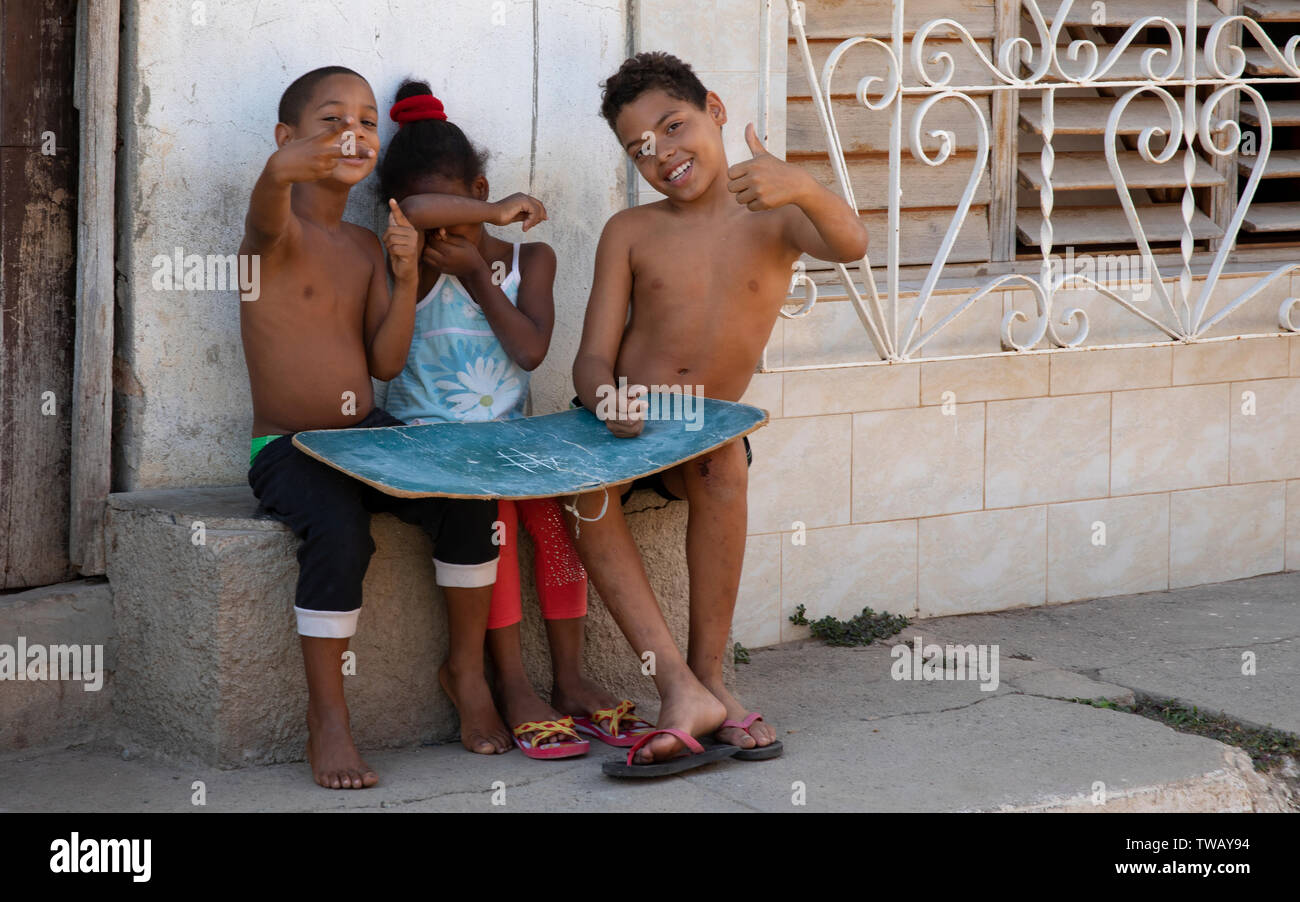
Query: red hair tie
x=415, y=108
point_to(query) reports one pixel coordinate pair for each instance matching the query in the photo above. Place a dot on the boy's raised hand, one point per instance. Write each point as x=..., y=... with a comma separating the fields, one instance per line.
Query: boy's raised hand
x=518, y=208
x=765, y=182
x=312, y=158
x=403, y=243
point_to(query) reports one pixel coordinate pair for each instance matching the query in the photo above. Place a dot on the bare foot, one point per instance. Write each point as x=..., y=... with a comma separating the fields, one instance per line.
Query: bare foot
x=522, y=705
x=334, y=759
x=481, y=729
x=582, y=697
x=691, y=709
x=760, y=732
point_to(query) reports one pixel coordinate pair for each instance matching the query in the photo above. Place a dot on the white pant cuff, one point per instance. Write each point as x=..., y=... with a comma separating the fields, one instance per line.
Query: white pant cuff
x=465, y=576
x=327, y=624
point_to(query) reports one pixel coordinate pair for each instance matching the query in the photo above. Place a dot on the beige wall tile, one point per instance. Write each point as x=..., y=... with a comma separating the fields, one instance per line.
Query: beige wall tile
x=776, y=344
x=1293, y=525
x=757, y=621
x=1265, y=445
x=977, y=330
x=1108, y=321
x=1134, y=556
x=765, y=391
x=1168, y=438
x=1259, y=314
x=982, y=561
x=914, y=463
x=1081, y=371
x=1226, y=532
x=843, y=569
x=850, y=389
x=1046, y=449
x=1224, y=361
x=1294, y=342
x=831, y=333
x=800, y=472
x=985, y=378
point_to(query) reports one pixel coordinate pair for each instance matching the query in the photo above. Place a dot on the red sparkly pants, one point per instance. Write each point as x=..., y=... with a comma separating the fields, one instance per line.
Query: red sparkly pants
x=560, y=577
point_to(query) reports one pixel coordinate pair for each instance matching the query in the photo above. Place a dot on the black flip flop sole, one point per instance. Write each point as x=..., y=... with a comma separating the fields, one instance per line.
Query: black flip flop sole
x=772, y=750
x=618, y=767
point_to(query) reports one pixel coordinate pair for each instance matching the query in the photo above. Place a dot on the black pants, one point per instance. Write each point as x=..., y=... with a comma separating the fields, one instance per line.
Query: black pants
x=330, y=512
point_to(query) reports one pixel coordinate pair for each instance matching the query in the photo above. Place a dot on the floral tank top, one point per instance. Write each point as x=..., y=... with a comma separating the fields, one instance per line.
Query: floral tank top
x=457, y=370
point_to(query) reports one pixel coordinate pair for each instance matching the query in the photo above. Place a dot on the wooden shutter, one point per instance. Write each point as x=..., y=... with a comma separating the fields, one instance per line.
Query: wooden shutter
x=929, y=193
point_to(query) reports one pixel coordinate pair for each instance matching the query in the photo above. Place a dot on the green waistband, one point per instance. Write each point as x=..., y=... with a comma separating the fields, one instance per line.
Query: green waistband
x=258, y=444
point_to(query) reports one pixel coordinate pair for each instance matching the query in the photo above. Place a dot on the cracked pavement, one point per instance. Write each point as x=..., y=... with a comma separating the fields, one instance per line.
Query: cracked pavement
x=856, y=738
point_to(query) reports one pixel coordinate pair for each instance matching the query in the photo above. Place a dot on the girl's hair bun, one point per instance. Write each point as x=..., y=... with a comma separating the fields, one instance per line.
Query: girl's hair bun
x=425, y=144
x=412, y=88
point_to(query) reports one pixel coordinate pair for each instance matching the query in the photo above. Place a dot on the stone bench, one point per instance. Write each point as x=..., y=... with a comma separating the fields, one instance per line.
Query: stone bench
x=209, y=665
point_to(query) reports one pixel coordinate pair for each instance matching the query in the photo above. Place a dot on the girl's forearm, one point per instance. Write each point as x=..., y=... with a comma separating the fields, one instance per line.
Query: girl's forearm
x=434, y=211
x=522, y=338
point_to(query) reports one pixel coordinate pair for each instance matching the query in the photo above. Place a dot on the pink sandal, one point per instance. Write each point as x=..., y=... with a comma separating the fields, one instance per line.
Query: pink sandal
x=758, y=752
x=618, y=734
x=570, y=745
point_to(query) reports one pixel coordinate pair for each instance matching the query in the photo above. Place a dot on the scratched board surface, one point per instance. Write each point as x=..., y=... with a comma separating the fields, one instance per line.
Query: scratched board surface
x=536, y=457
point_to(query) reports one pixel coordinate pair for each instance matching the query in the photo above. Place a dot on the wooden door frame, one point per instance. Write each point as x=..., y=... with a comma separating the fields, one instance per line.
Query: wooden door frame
x=95, y=96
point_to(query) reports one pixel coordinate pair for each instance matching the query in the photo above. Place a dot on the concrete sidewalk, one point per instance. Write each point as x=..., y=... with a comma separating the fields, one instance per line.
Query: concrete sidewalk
x=856, y=738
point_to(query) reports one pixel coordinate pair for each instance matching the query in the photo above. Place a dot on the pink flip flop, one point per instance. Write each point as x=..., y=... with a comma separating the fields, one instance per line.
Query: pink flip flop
x=618, y=734
x=697, y=755
x=570, y=745
x=758, y=752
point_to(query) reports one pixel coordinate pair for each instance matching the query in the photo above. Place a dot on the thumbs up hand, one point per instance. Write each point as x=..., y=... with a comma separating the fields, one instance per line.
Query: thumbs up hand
x=765, y=181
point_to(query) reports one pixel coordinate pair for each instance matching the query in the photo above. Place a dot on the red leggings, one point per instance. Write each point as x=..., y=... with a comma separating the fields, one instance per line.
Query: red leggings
x=561, y=579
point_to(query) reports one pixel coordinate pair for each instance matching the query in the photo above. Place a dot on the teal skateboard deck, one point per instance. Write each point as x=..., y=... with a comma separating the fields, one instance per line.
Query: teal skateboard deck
x=536, y=457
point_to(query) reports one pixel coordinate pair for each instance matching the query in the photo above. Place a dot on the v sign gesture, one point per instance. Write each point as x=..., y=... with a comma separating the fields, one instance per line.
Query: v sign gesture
x=314, y=157
x=765, y=182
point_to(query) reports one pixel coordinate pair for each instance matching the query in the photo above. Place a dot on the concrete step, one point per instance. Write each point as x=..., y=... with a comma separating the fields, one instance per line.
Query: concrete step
x=60, y=639
x=210, y=664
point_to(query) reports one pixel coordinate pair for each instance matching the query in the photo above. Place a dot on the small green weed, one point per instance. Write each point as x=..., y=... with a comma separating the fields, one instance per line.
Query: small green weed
x=863, y=629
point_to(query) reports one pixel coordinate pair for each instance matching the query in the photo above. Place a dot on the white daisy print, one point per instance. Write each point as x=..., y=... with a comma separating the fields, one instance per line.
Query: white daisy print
x=482, y=391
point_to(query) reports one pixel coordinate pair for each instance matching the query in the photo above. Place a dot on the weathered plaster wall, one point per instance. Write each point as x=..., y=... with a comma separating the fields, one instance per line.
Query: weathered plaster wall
x=198, y=111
